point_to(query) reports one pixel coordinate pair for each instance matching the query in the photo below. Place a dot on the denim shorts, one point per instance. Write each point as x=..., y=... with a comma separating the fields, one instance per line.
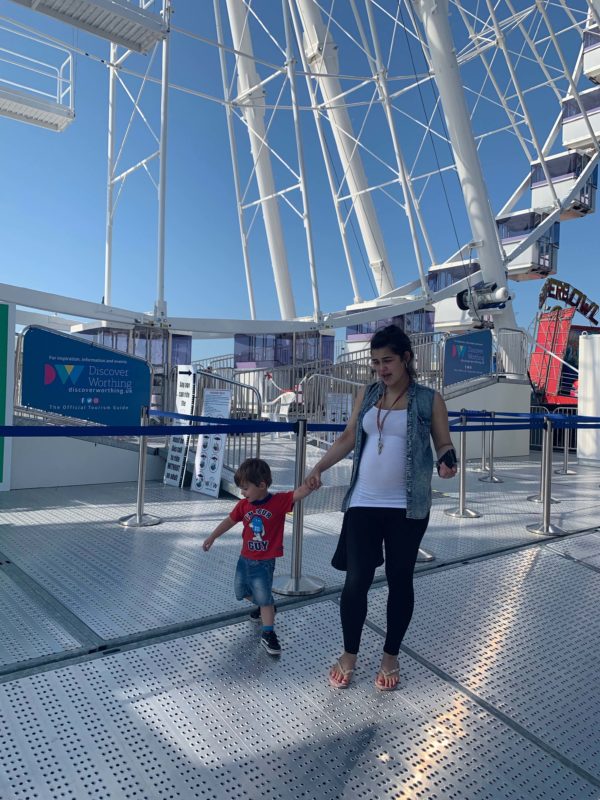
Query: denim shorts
x=254, y=579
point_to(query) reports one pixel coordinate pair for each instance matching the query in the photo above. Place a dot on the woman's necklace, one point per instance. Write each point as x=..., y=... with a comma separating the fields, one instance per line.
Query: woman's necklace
x=381, y=421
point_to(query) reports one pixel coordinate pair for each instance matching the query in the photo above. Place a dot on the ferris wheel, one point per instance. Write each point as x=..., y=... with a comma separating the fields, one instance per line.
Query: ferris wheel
x=417, y=150
x=455, y=138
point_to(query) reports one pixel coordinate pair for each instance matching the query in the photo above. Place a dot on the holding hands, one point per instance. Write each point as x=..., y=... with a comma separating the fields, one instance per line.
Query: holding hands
x=313, y=479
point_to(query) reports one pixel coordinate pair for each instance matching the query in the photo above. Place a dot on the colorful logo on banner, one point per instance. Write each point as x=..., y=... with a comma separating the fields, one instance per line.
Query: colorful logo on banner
x=467, y=356
x=66, y=375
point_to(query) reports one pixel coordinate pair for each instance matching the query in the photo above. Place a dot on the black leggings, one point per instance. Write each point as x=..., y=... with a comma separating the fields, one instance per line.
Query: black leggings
x=365, y=530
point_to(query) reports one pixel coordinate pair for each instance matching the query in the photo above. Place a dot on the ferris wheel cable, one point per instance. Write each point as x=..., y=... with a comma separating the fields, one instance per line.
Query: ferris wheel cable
x=332, y=20
x=300, y=155
x=569, y=13
x=411, y=202
x=350, y=219
x=356, y=139
x=329, y=168
x=517, y=85
x=135, y=107
x=395, y=27
x=259, y=21
x=433, y=147
x=263, y=144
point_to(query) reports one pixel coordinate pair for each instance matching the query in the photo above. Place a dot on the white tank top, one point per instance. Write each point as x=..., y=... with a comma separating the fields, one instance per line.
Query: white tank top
x=381, y=477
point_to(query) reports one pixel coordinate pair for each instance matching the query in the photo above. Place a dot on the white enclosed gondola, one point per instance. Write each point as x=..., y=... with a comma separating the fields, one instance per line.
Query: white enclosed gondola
x=448, y=316
x=591, y=53
x=539, y=259
x=575, y=133
x=564, y=170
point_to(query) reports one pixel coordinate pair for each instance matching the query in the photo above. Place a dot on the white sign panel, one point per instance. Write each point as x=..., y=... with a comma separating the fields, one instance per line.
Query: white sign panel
x=210, y=449
x=178, y=445
x=338, y=409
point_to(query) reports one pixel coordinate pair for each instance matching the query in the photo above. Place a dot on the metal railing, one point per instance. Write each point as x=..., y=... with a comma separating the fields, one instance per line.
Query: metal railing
x=560, y=436
x=511, y=350
x=45, y=73
x=329, y=399
x=246, y=403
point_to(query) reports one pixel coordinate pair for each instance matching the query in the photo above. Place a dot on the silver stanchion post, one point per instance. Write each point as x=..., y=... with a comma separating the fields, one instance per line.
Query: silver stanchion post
x=491, y=478
x=546, y=528
x=139, y=519
x=546, y=445
x=565, y=467
x=462, y=512
x=482, y=467
x=296, y=583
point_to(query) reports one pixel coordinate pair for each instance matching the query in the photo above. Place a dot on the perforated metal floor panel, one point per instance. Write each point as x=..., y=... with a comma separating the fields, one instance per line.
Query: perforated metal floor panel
x=26, y=630
x=522, y=632
x=123, y=582
x=213, y=716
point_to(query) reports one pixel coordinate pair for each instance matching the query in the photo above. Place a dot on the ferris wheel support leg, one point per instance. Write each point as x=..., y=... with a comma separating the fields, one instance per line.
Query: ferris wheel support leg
x=435, y=20
x=160, y=308
x=252, y=103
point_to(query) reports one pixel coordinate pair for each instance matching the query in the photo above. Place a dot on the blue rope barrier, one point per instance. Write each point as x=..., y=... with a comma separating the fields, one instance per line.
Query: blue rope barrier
x=18, y=431
x=322, y=426
x=239, y=426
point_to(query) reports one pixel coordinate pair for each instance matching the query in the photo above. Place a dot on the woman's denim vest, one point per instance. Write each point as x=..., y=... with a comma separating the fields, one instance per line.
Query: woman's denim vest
x=419, y=458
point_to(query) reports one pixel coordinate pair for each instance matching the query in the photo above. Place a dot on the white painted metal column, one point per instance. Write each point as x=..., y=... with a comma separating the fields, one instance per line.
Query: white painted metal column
x=234, y=160
x=160, y=307
x=107, y=300
x=321, y=55
x=434, y=16
x=251, y=100
x=290, y=64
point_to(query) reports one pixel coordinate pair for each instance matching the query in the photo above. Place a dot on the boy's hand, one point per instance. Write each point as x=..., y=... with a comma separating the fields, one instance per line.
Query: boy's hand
x=313, y=480
x=208, y=543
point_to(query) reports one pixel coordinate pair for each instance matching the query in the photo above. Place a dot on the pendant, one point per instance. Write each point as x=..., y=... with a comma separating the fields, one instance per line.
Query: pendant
x=379, y=446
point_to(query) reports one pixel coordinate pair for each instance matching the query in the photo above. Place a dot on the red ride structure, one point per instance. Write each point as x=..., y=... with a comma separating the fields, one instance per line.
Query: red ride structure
x=554, y=360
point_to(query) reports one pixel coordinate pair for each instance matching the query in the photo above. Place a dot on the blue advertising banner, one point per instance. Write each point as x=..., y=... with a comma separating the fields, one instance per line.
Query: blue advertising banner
x=67, y=375
x=467, y=356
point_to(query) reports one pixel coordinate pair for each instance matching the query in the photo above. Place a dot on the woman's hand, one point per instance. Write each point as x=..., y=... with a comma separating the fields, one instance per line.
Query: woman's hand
x=313, y=479
x=446, y=472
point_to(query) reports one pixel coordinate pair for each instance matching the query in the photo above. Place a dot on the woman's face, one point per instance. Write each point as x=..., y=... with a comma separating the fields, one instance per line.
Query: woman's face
x=389, y=366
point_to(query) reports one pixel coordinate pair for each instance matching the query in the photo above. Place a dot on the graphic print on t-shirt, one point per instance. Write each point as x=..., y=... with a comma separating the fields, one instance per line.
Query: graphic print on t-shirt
x=262, y=537
x=253, y=519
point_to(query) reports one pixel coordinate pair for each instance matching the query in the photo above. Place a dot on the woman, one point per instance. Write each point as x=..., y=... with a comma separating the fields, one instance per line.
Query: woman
x=389, y=497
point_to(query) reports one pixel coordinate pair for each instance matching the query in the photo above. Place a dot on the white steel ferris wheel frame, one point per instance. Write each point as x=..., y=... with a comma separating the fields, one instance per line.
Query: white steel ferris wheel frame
x=312, y=40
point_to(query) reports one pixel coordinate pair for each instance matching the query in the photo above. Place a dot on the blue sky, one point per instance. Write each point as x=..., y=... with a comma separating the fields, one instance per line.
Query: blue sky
x=53, y=192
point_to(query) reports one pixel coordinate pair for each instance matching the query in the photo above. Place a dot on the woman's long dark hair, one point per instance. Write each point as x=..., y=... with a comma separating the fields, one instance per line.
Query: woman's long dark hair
x=394, y=337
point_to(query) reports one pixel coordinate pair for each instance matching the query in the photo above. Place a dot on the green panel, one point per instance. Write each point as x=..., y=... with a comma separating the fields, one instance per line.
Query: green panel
x=3, y=375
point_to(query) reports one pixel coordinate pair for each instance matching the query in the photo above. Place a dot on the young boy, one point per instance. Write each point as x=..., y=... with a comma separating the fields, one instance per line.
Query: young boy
x=263, y=515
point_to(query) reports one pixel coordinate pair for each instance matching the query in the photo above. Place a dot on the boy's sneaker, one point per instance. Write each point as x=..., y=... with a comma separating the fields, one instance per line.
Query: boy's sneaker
x=270, y=642
x=255, y=613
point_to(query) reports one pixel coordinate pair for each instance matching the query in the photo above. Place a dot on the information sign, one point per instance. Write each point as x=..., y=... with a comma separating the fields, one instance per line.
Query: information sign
x=467, y=356
x=178, y=445
x=67, y=375
x=210, y=449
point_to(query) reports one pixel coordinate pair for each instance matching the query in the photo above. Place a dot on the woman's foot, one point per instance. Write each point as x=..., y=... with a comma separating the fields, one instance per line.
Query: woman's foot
x=341, y=673
x=388, y=677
